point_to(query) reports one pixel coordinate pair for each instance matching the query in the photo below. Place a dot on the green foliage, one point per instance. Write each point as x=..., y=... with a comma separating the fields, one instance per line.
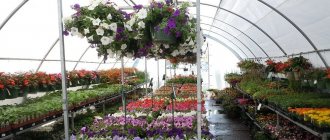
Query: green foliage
x=183, y=80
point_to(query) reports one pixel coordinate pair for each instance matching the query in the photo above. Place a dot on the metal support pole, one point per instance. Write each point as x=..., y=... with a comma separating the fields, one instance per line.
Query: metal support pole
x=72, y=120
x=63, y=71
x=165, y=72
x=277, y=121
x=157, y=73
x=199, y=100
x=208, y=67
x=103, y=106
x=122, y=89
x=146, y=74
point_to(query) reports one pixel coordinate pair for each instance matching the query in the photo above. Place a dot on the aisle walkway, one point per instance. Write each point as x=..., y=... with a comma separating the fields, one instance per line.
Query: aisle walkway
x=222, y=127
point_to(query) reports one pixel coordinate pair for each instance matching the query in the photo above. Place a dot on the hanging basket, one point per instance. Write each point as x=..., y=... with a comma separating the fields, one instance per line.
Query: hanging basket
x=160, y=36
x=173, y=60
x=11, y=93
x=2, y=95
x=289, y=75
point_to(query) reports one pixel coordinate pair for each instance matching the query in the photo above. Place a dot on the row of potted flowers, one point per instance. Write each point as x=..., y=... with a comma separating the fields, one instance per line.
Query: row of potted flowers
x=149, y=118
x=34, y=110
x=19, y=84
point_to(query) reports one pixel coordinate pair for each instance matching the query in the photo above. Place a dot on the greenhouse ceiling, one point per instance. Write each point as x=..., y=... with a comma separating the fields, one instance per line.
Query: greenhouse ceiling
x=250, y=29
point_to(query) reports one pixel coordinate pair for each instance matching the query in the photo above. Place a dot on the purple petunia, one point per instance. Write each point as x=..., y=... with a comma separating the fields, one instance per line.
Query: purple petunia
x=76, y=7
x=168, y=2
x=138, y=7
x=160, y=5
x=178, y=34
x=171, y=23
x=66, y=33
x=176, y=13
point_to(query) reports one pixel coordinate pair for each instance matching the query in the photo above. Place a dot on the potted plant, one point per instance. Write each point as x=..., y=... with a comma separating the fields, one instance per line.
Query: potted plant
x=11, y=88
x=74, y=78
x=328, y=79
x=298, y=65
x=2, y=87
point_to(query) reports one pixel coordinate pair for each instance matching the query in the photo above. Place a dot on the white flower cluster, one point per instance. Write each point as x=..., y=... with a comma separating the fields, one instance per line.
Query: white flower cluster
x=178, y=114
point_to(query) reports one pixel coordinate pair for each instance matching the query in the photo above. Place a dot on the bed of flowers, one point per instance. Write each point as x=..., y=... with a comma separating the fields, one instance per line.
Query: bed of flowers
x=14, y=85
x=319, y=117
x=150, y=118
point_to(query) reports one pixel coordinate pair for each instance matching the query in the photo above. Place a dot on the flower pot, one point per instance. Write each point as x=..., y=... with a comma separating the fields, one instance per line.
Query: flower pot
x=74, y=83
x=296, y=75
x=327, y=84
x=159, y=36
x=2, y=94
x=11, y=93
x=23, y=91
x=33, y=90
x=289, y=75
x=311, y=83
x=321, y=84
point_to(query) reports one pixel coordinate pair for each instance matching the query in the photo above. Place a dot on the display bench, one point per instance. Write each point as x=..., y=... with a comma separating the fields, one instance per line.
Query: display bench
x=17, y=129
x=324, y=135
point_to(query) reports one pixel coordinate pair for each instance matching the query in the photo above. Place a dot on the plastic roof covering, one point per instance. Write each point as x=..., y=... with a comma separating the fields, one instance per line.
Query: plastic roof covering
x=251, y=28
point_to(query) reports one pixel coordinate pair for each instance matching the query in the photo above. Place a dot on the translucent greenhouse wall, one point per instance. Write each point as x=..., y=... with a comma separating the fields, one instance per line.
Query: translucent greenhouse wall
x=256, y=29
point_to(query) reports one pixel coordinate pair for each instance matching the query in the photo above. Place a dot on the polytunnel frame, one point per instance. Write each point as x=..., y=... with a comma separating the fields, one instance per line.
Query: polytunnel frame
x=228, y=40
x=218, y=8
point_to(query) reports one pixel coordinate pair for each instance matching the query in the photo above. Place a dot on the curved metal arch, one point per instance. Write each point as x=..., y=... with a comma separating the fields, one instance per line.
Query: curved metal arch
x=260, y=29
x=49, y=50
x=298, y=29
x=240, y=32
x=13, y=13
x=229, y=41
x=225, y=45
x=82, y=55
x=233, y=37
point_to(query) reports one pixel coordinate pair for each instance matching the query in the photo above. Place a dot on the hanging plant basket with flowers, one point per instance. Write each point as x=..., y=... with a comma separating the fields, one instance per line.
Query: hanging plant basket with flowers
x=102, y=24
x=163, y=30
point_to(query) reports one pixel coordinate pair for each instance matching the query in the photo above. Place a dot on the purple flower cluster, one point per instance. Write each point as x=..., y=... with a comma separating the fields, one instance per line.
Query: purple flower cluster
x=143, y=51
x=120, y=34
x=138, y=7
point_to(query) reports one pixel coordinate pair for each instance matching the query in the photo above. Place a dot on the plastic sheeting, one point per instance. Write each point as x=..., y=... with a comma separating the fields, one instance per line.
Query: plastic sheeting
x=32, y=30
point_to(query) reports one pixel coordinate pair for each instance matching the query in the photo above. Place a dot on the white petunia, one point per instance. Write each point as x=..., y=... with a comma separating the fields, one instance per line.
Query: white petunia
x=86, y=31
x=104, y=25
x=131, y=21
x=109, y=16
x=113, y=27
x=110, y=52
x=166, y=46
x=191, y=42
x=74, y=31
x=90, y=38
x=96, y=22
x=175, y=53
x=80, y=35
x=105, y=40
x=99, y=31
x=128, y=27
x=194, y=50
x=123, y=47
x=141, y=25
x=142, y=14
x=67, y=19
x=182, y=52
x=129, y=55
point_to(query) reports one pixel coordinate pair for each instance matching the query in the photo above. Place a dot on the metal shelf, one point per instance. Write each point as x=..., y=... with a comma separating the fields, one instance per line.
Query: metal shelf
x=14, y=132
x=323, y=135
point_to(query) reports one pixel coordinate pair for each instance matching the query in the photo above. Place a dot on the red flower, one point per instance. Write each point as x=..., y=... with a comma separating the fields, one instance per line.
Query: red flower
x=170, y=9
x=328, y=73
x=269, y=62
x=2, y=86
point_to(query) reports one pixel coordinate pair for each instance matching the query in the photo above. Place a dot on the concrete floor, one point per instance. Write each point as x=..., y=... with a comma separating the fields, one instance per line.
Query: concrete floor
x=222, y=127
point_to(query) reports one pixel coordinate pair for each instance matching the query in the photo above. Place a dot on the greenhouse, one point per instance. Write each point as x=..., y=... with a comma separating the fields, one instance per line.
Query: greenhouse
x=165, y=70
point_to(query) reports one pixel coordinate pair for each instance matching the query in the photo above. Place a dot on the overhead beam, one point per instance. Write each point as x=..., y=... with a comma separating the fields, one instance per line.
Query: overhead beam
x=49, y=50
x=259, y=28
x=246, y=56
x=233, y=37
x=82, y=55
x=13, y=13
x=298, y=29
x=240, y=32
x=225, y=45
